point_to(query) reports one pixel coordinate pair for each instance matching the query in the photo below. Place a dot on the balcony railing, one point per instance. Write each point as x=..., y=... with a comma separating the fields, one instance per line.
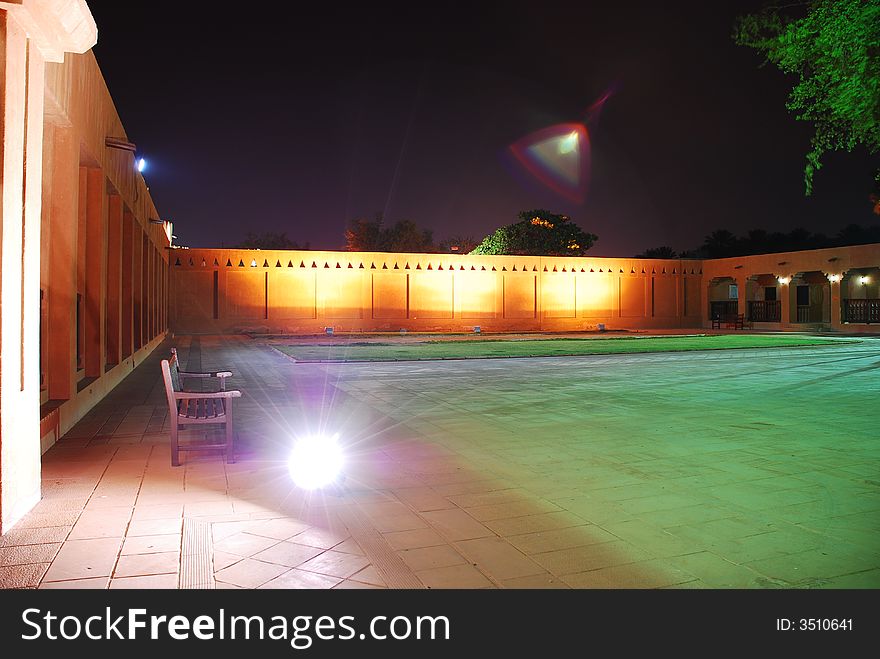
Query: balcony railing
x=723, y=309
x=765, y=311
x=861, y=311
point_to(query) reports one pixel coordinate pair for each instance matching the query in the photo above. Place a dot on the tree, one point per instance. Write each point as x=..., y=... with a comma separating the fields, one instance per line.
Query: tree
x=269, y=240
x=371, y=236
x=835, y=51
x=538, y=233
x=364, y=235
x=664, y=252
x=720, y=244
x=458, y=245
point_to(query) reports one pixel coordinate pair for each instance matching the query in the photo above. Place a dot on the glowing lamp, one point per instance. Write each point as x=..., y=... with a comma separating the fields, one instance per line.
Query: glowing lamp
x=141, y=164
x=316, y=461
x=863, y=280
x=834, y=278
x=783, y=281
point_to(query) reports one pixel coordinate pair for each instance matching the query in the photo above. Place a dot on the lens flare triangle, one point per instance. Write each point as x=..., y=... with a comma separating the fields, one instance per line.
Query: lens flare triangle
x=558, y=157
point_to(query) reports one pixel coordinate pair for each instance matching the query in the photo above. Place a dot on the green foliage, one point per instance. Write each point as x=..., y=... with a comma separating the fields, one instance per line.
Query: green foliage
x=371, y=236
x=834, y=50
x=538, y=233
x=269, y=240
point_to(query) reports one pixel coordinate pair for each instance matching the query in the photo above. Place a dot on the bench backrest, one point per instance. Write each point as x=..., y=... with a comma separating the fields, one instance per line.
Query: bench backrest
x=168, y=375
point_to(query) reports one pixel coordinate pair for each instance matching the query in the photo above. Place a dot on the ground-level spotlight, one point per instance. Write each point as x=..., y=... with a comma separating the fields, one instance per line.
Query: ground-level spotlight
x=316, y=461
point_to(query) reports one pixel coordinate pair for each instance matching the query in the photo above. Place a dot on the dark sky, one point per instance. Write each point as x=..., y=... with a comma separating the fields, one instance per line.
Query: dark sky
x=256, y=118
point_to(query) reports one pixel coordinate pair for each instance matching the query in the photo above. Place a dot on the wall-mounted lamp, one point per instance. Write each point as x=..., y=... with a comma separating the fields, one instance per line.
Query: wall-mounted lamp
x=783, y=281
x=864, y=279
x=834, y=278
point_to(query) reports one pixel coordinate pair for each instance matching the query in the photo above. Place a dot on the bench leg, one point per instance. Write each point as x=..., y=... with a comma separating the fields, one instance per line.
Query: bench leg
x=230, y=449
x=175, y=452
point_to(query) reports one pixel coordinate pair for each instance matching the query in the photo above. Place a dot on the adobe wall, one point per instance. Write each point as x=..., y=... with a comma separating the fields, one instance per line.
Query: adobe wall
x=303, y=292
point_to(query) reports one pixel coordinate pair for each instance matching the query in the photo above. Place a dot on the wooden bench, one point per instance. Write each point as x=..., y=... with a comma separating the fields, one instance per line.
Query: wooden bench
x=735, y=321
x=197, y=407
x=175, y=364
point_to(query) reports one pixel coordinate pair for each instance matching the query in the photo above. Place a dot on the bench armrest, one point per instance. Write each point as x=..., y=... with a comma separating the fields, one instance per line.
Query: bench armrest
x=218, y=374
x=189, y=395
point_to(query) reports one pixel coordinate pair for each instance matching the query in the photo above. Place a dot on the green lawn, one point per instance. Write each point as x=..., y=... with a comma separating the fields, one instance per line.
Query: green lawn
x=486, y=348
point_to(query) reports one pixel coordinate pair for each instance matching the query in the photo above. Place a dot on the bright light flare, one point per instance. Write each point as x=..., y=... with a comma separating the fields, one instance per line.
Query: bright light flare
x=558, y=157
x=316, y=461
x=141, y=164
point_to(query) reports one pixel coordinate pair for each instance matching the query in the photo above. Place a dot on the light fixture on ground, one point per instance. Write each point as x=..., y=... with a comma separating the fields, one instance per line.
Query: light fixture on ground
x=316, y=461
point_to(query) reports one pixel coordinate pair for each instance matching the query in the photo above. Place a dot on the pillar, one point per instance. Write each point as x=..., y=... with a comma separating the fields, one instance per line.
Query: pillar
x=31, y=33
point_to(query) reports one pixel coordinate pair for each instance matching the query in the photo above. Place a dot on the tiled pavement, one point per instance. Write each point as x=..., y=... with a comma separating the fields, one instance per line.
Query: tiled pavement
x=734, y=469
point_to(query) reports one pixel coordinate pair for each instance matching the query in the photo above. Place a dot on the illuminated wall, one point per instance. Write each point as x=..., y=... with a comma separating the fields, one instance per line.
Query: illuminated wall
x=303, y=292
x=832, y=274
x=84, y=271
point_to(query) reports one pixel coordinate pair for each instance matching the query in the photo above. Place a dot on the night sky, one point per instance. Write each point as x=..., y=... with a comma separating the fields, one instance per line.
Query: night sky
x=257, y=119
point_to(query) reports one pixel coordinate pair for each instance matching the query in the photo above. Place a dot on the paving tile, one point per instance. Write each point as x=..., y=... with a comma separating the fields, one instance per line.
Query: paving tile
x=207, y=508
x=22, y=576
x=244, y=544
x=136, y=565
x=250, y=573
x=521, y=508
x=335, y=564
x=430, y=557
x=534, y=523
x=716, y=572
x=288, y=554
x=405, y=522
x=369, y=575
x=151, y=544
x=566, y=538
x=454, y=576
x=282, y=528
x=221, y=560
x=498, y=558
x=22, y=555
x=349, y=584
x=456, y=525
x=106, y=523
x=318, y=537
x=79, y=559
x=155, y=527
x=535, y=582
x=34, y=536
x=414, y=539
x=655, y=573
x=156, y=581
x=349, y=546
x=592, y=557
x=96, y=583
x=300, y=579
